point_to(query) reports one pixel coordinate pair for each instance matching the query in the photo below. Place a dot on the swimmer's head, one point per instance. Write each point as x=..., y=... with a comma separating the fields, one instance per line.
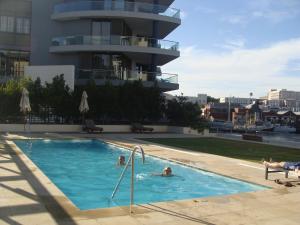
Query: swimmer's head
x=121, y=160
x=167, y=171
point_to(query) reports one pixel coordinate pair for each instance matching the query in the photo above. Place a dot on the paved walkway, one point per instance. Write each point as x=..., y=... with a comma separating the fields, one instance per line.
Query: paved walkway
x=28, y=197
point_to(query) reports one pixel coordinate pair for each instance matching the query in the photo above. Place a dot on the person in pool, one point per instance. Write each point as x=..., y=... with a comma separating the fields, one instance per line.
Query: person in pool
x=167, y=172
x=121, y=160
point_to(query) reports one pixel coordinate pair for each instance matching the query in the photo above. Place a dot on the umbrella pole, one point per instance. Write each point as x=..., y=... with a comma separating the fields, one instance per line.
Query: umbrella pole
x=24, y=122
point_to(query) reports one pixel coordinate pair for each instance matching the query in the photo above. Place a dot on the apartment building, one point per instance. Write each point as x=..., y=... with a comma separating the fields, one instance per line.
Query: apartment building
x=15, y=26
x=104, y=40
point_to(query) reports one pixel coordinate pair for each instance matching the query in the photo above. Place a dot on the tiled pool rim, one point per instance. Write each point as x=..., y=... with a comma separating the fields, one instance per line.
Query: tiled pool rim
x=71, y=208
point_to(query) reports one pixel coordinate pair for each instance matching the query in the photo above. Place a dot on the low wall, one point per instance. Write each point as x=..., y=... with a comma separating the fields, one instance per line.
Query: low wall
x=41, y=128
x=73, y=128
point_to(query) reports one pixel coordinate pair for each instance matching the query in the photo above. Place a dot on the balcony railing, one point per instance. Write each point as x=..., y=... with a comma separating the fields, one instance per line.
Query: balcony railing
x=109, y=5
x=115, y=40
x=126, y=75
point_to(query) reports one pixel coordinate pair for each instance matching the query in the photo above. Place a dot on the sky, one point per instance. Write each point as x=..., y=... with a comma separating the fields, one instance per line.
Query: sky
x=234, y=47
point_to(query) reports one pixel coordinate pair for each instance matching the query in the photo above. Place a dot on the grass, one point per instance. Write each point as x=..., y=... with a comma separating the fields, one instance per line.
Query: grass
x=234, y=149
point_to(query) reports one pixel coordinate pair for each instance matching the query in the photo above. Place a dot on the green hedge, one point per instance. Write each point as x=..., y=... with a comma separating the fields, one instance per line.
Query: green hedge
x=131, y=102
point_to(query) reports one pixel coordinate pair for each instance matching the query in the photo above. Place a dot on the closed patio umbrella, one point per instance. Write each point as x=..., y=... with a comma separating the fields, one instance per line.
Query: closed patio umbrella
x=84, y=105
x=25, y=104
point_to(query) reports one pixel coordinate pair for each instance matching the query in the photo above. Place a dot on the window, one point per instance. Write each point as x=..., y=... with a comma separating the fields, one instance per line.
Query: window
x=101, y=32
x=3, y=23
x=101, y=28
x=12, y=63
x=10, y=24
x=23, y=26
x=7, y=23
x=101, y=61
x=19, y=25
x=26, y=26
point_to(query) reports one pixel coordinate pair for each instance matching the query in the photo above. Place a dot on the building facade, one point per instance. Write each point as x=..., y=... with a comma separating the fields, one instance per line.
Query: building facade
x=237, y=100
x=219, y=111
x=284, y=99
x=15, y=26
x=106, y=40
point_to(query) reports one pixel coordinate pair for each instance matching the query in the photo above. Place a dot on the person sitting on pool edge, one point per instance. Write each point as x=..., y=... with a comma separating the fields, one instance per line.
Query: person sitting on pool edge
x=121, y=160
x=297, y=171
x=285, y=165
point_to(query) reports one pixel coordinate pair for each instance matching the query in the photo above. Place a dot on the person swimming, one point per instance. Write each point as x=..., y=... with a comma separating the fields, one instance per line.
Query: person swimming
x=121, y=160
x=167, y=172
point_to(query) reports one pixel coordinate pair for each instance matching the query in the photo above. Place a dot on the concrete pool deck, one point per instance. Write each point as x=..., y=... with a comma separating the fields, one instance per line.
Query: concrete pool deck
x=27, y=196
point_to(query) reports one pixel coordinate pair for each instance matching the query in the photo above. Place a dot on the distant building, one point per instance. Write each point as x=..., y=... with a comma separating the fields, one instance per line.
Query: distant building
x=236, y=100
x=281, y=117
x=239, y=116
x=218, y=111
x=284, y=99
x=201, y=99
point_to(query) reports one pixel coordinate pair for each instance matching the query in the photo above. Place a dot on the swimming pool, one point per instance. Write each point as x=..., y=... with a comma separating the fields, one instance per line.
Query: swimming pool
x=86, y=172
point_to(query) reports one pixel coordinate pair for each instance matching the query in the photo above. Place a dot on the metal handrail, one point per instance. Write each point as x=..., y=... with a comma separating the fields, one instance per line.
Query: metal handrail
x=131, y=159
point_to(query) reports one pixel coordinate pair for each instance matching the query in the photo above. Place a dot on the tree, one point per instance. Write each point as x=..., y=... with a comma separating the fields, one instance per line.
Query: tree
x=212, y=99
x=59, y=98
x=181, y=112
x=10, y=95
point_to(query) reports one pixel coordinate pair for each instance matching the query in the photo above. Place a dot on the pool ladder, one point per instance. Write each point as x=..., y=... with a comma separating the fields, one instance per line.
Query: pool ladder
x=131, y=159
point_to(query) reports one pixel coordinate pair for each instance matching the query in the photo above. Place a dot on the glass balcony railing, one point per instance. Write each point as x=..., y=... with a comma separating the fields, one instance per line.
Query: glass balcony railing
x=109, y=5
x=167, y=78
x=126, y=75
x=116, y=40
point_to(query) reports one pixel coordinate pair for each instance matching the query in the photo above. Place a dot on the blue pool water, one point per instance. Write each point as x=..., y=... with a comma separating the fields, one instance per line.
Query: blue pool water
x=86, y=172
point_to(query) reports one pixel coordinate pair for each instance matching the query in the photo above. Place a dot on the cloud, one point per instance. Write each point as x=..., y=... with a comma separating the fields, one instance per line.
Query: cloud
x=235, y=19
x=205, y=10
x=183, y=14
x=275, y=16
x=270, y=10
x=233, y=44
x=274, y=11
x=237, y=72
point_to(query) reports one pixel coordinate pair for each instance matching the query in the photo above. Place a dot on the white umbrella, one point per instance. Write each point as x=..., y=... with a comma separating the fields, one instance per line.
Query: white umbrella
x=25, y=103
x=84, y=105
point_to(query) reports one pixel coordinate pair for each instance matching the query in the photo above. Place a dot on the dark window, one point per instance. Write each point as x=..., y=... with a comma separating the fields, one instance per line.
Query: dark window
x=12, y=63
x=100, y=28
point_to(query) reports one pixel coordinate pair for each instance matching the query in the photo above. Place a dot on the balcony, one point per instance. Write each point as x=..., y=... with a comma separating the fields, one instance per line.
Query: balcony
x=109, y=5
x=139, y=49
x=165, y=81
x=134, y=13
